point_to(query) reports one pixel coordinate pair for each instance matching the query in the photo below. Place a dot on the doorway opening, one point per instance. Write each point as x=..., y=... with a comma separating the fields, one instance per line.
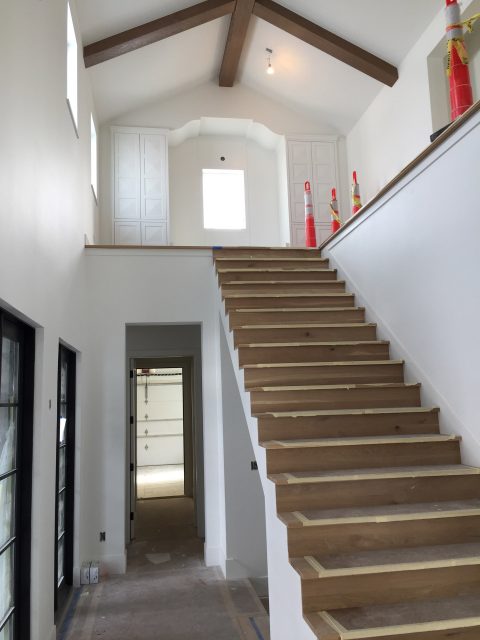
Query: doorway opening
x=160, y=433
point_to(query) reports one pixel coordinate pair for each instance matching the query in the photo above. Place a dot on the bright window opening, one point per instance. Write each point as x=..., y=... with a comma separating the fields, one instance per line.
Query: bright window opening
x=224, y=199
x=72, y=66
x=93, y=155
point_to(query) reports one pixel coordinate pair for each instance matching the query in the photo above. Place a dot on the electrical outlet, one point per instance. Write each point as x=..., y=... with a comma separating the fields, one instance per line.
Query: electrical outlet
x=102, y=536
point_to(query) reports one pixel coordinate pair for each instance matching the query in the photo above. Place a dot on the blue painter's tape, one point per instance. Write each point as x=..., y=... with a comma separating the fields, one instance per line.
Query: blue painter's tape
x=69, y=616
x=219, y=247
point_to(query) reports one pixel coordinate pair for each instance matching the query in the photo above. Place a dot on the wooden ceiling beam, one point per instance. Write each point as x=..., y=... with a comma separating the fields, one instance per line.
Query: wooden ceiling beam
x=156, y=30
x=326, y=41
x=235, y=40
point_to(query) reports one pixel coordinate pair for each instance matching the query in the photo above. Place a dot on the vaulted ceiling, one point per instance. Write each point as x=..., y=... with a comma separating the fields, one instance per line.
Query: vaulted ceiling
x=331, y=57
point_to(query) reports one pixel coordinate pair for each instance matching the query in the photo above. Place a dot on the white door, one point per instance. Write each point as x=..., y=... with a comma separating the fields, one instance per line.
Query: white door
x=127, y=176
x=133, y=448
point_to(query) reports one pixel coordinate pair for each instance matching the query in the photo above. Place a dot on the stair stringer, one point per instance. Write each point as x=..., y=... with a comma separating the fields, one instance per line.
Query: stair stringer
x=284, y=585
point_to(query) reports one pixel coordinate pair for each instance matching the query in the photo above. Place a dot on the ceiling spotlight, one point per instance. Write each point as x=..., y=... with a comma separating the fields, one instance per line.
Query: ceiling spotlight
x=270, y=69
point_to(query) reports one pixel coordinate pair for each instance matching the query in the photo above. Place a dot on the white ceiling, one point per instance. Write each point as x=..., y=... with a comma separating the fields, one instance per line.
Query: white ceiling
x=306, y=79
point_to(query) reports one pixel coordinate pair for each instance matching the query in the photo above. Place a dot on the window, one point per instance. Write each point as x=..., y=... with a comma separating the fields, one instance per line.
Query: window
x=224, y=199
x=93, y=156
x=72, y=67
x=65, y=473
x=16, y=440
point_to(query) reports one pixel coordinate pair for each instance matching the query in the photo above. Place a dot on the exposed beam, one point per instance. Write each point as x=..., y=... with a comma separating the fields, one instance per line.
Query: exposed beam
x=156, y=30
x=235, y=41
x=326, y=41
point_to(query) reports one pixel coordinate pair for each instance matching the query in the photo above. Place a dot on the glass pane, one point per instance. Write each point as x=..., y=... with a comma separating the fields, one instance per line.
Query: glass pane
x=9, y=375
x=61, y=513
x=61, y=468
x=7, y=509
x=63, y=380
x=6, y=581
x=62, y=427
x=7, y=632
x=60, y=556
x=8, y=430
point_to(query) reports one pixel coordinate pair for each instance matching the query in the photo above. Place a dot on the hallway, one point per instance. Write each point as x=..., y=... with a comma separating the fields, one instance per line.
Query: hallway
x=167, y=592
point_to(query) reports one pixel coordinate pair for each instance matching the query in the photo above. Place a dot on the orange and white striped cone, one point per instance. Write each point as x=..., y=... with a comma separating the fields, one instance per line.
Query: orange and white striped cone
x=310, y=236
x=461, y=95
x=356, y=202
x=336, y=222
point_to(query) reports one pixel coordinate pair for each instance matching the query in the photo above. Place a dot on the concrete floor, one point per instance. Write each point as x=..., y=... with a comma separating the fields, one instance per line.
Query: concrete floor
x=167, y=592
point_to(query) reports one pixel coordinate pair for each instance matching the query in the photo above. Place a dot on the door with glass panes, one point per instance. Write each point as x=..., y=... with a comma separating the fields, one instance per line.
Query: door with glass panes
x=16, y=436
x=64, y=512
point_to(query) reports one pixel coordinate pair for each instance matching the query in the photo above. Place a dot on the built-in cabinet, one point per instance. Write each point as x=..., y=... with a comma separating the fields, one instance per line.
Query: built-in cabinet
x=313, y=159
x=140, y=186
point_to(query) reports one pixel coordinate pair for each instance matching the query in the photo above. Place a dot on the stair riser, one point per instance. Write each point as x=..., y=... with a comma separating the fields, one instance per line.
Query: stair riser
x=285, y=376
x=271, y=428
x=310, y=334
x=473, y=633
x=280, y=263
x=327, y=286
x=279, y=276
x=290, y=302
x=245, y=318
x=362, y=457
x=265, y=252
x=267, y=401
x=344, y=538
x=313, y=353
x=384, y=588
x=332, y=495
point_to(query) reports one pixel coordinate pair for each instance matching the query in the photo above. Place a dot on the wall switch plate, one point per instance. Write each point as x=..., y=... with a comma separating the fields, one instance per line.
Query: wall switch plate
x=254, y=465
x=103, y=536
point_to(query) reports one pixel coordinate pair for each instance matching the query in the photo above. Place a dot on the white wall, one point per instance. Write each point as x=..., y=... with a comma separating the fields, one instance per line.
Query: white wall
x=46, y=208
x=413, y=260
x=186, y=162
x=398, y=123
x=244, y=499
x=176, y=287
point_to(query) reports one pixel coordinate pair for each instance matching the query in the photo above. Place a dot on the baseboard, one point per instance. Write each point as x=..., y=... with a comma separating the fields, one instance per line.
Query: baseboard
x=213, y=556
x=53, y=633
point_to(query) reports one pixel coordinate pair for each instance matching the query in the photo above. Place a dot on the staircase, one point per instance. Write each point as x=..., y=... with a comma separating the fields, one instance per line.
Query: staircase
x=383, y=519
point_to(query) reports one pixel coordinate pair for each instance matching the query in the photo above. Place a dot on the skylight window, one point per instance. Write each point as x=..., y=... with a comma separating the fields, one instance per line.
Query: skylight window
x=72, y=67
x=224, y=199
x=93, y=156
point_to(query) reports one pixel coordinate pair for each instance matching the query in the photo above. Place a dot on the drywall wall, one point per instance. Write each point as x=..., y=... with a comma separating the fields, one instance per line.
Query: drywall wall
x=244, y=500
x=46, y=209
x=186, y=162
x=176, y=287
x=415, y=267
x=398, y=123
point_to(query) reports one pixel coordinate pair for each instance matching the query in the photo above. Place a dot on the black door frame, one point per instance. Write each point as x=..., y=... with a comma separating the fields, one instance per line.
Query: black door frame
x=25, y=336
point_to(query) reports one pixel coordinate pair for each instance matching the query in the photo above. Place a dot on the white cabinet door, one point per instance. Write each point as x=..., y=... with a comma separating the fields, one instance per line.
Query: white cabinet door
x=315, y=161
x=154, y=172
x=127, y=176
x=140, y=185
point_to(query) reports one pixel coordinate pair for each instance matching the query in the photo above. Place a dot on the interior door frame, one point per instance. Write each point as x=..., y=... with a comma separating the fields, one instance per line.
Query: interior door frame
x=186, y=363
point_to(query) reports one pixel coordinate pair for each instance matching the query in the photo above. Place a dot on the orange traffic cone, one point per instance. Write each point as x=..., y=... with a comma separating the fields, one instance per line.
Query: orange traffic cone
x=310, y=236
x=336, y=222
x=356, y=202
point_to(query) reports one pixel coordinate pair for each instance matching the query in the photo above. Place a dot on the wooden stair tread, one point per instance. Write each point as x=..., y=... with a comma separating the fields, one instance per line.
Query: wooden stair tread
x=388, y=560
x=381, y=513
x=249, y=258
x=276, y=345
x=277, y=270
x=351, y=363
x=343, y=412
x=303, y=294
x=353, y=442
x=313, y=387
x=382, y=473
x=300, y=310
x=281, y=282
x=307, y=325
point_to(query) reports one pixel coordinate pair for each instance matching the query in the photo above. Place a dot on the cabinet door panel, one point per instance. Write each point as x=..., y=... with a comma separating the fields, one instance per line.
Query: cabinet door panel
x=154, y=183
x=127, y=176
x=127, y=233
x=154, y=233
